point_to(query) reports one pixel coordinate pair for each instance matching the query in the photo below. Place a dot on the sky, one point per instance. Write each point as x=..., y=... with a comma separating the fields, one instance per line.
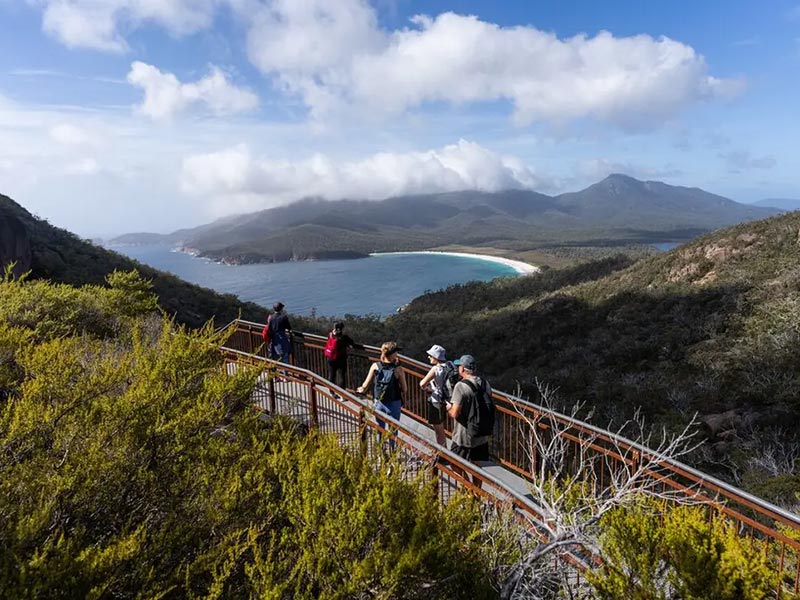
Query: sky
x=152, y=115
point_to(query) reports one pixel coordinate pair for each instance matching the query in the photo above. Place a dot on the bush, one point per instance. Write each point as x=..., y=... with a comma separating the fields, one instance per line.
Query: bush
x=649, y=554
x=132, y=465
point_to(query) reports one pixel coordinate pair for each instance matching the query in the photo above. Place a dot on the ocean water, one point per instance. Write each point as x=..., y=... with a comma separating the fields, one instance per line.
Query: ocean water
x=666, y=246
x=376, y=285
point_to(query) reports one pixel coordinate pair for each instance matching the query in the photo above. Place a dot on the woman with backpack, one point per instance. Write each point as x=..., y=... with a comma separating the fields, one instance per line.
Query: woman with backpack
x=439, y=381
x=336, y=354
x=390, y=384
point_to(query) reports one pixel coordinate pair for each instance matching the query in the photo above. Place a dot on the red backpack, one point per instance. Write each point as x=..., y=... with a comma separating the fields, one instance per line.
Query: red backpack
x=331, y=348
x=265, y=331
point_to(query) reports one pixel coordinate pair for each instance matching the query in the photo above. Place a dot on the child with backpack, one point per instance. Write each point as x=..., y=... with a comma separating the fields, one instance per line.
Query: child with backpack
x=336, y=354
x=440, y=381
x=472, y=407
x=390, y=384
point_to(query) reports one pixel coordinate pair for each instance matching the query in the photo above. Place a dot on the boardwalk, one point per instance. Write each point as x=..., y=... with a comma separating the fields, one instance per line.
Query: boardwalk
x=302, y=391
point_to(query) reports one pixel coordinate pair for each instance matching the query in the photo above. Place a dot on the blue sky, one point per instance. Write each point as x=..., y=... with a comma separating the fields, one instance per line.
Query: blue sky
x=128, y=115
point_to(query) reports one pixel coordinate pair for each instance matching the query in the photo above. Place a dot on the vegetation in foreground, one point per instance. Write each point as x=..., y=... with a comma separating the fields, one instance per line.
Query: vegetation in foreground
x=132, y=465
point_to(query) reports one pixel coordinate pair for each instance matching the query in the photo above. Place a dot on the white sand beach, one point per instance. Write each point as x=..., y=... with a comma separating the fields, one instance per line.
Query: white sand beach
x=520, y=267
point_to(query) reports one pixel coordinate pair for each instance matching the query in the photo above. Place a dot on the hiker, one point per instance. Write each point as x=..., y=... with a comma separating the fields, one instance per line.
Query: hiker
x=390, y=384
x=472, y=408
x=439, y=381
x=336, y=354
x=280, y=331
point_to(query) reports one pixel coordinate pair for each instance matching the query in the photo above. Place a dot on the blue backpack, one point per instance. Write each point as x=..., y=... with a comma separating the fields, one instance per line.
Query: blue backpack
x=386, y=386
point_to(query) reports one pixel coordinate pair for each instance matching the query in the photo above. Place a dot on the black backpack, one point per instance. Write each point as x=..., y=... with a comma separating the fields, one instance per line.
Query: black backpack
x=386, y=385
x=479, y=418
x=447, y=381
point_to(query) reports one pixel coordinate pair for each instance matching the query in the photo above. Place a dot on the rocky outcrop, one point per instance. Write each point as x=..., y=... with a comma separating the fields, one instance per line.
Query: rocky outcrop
x=15, y=245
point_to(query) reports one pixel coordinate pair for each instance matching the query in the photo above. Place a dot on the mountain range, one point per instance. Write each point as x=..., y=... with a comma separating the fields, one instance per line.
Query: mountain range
x=617, y=208
x=787, y=204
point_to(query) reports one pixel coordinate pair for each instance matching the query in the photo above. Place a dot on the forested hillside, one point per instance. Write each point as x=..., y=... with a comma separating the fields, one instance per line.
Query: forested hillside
x=60, y=256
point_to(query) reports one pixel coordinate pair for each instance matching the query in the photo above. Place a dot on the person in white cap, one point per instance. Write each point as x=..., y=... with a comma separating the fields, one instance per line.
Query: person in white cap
x=439, y=382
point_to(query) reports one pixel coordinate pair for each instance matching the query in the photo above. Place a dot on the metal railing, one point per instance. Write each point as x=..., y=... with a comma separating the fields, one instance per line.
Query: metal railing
x=320, y=405
x=755, y=518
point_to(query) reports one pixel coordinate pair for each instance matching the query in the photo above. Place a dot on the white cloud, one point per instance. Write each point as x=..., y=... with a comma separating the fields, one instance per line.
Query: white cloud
x=70, y=135
x=338, y=60
x=334, y=57
x=96, y=24
x=165, y=95
x=235, y=175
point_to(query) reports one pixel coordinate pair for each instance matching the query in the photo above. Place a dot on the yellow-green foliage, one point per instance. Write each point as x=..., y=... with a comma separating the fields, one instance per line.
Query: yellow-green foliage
x=131, y=465
x=649, y=554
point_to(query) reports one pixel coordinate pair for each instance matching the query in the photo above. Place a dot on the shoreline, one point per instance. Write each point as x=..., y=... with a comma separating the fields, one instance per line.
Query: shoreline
x=522, y=268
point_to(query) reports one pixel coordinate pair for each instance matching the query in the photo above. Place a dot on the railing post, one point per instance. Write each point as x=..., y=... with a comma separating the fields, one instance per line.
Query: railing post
x=436, y=473
x=362, y=432
x=312, y=390
x=273, y=404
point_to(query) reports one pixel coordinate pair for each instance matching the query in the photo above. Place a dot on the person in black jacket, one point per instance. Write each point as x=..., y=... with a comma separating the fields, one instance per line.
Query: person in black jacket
x=336, y=353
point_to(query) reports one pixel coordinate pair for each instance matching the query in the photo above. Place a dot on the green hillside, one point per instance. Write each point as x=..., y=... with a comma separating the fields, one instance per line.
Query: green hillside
x=60, y=256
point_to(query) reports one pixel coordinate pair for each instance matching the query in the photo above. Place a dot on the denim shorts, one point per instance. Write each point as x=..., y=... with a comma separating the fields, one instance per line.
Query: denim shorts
x=391, y=408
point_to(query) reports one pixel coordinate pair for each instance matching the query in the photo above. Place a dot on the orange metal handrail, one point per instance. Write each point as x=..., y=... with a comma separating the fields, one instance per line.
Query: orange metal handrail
x=329, y=406
x=514, y=415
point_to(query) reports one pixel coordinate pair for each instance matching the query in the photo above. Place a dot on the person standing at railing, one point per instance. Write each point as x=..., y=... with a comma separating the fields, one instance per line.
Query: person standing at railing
x=336, y=354
x=472, y=408
x=280, y=332
x=389, y=384
x=439, y=382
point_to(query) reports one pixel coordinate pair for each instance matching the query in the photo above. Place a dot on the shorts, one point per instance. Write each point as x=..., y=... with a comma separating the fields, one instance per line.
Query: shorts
x=437, y=413
x=472, y=454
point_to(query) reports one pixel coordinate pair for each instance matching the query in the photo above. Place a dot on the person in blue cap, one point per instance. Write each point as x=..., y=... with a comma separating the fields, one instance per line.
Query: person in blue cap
x=472, y=395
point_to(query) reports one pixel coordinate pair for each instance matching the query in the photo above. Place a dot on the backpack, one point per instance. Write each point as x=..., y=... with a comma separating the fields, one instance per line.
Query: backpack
x=331, y=351
x=480, y=412
x=265, y=332
x=386, y=386
x=446, y=381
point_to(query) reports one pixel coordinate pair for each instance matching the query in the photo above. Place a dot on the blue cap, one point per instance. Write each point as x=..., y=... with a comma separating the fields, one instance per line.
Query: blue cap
x=467, y=361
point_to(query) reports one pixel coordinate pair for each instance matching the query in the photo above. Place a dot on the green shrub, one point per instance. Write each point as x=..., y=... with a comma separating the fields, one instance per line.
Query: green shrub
x=649, y=554
x=132, y=465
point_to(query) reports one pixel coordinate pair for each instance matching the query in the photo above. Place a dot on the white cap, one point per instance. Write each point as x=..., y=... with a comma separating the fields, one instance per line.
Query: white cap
x=437, y=352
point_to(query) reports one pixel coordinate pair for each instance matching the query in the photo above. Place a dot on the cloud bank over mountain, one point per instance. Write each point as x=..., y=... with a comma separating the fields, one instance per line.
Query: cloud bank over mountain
x=235, y=176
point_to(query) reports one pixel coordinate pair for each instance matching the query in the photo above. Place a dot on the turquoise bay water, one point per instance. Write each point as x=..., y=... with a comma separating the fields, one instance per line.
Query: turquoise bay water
x=375, y=285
